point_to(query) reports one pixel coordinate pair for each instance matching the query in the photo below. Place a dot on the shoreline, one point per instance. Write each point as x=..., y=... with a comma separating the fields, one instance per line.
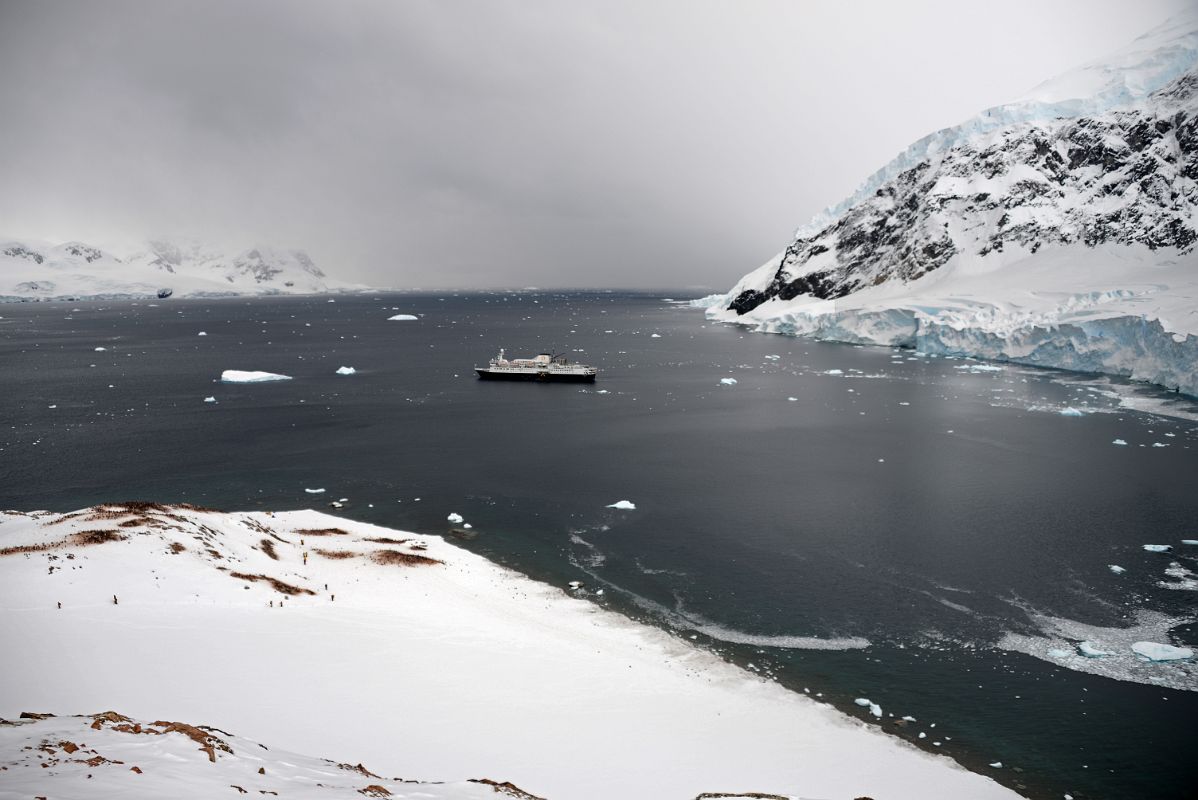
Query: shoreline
x=506, y=675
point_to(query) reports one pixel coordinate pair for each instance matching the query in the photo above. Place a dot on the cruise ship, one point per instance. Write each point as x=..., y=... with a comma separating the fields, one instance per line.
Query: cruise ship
x=544, y=367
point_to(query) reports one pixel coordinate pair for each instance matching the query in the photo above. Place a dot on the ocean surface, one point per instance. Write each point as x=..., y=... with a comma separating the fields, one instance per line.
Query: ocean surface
x=932, y=534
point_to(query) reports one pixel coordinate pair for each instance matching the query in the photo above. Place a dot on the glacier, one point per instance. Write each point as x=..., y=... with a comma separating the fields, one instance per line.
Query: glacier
x=1057, y=231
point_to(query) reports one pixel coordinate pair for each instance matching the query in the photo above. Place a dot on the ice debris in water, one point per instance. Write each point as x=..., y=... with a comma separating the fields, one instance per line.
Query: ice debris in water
x=1158, y=548
x=101, y=349
x=996, y=764
x=655, y=336
x=792, y=399
x=833, y=372
x=873, y=707
x=401, y=318
x=1091, y=650
x=455, y=518
x=209, y=399
x=346, y=370
x=239, y=376
x=314, y=491
x=1115, y=568
x=728, y=381
x=1070, y=411
x=1189, y=541
x=1120, y=442
x=202, y=333
x=624, y=505
x=1154, y=651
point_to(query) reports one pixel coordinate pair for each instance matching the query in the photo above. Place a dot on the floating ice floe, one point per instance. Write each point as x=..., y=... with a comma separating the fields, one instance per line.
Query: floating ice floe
x=455, y=518
x=314, y=491
x=1158, y=548
x=624, y=505
x=1154, y=651
x=346, y=370
x=1070, y=411
x=209, y=399
x=202, y=333
x=101, y=349
x=401, y=318
x=1120, y=442
x=1115, y=568
x=1189, y=541
x=1091, y=650
x=728, y=381
x=655, y=336
x=239, y=376
x=996, y=764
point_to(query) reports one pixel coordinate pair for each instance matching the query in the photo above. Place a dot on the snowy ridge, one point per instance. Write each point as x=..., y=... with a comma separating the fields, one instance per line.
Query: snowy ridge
x=118, y=757
x=322, y=635
x=1057, y=231
x=75, y=270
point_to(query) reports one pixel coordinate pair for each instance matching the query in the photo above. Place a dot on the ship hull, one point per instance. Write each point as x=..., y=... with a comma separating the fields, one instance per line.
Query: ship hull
x=541, y=377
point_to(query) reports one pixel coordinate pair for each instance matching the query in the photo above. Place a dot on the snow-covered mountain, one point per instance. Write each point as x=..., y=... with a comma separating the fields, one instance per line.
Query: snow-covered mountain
x=38, y=270
x=1057, y=230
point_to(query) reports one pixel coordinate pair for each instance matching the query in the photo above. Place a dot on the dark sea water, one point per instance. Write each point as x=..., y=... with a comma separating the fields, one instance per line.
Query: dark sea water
x=875, y=537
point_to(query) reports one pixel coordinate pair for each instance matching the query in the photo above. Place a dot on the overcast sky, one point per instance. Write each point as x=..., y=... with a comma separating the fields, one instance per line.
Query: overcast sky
x=469, y=144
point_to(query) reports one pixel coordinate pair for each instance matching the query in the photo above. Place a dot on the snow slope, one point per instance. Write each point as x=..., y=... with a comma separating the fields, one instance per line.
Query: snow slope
x=39, y=270
x=1057, y=230
x=418, y=659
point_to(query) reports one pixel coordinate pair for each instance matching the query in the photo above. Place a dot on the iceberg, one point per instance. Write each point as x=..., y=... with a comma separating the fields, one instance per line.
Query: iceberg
x=623, y=505
x=239, y=376
x=455, y=519
x=1090, y=650
x=1154, y=651
x=728, y=381
x=401, y=318
x=346, y=370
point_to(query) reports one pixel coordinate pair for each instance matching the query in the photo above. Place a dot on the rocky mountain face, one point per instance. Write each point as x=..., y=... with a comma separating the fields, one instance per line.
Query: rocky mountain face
x=36, y=270
x=1125, y=177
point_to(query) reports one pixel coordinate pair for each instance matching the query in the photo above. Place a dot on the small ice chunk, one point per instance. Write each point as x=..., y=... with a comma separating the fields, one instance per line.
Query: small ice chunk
x=575, y=585
x=101, y=349
x=334, y=504
x=792, y=399
x=862, y=701
x=623, y=505
x=209, y=399
x=202, y=333
x=455, y=518
x=728, y=381
x=876, y=710
x=400, y=318
x=655, y=336
x=467, y=525
x=1115, y=568
x=1159, y=444
x=996, y=764
x=1070, y=411
x=1120, y=442
x=1154, y=651
x=1158, y=548
x=346, y=370
x=1091, y=650
x=833, y=372
x=908, y=719
x=239, y=376
x=1183, y=541
x=314, y=491
x=922, y=735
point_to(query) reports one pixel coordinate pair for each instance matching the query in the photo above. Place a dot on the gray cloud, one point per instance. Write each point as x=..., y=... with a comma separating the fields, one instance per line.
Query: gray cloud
x=497, y=143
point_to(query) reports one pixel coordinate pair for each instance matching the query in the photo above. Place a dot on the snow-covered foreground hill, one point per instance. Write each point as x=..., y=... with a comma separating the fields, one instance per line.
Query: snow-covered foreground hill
x=398, y=651
x=109, y=755
x=1057, y=230
x=31, y=270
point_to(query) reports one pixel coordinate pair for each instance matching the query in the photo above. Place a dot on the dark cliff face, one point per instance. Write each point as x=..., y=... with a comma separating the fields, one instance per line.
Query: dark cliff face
x=1127, y=177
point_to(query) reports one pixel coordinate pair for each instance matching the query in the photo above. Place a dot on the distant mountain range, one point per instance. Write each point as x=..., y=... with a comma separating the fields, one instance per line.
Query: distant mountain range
x=1057, y=230
x=31, y=270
